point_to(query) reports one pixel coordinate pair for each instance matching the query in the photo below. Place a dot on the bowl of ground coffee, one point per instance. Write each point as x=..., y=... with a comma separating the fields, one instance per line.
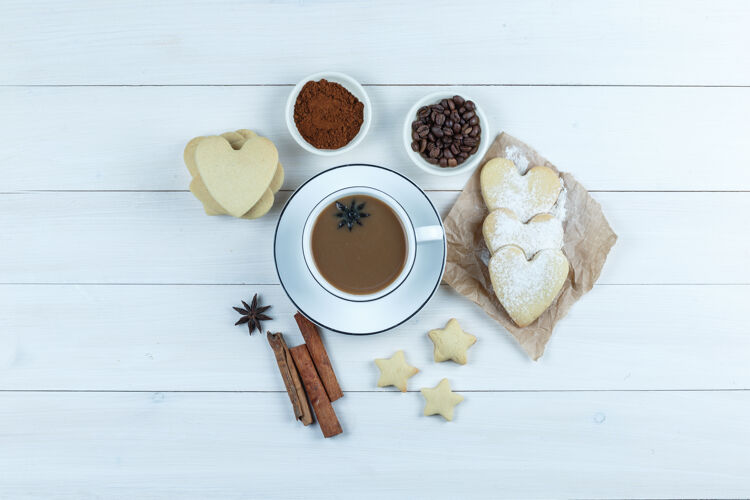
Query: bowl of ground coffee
x=328, y=113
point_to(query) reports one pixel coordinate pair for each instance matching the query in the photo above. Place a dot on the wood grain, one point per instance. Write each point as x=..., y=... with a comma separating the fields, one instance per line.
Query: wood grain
x=157, y=237
x=610, y=138
x=135, y=337
x=643, y=392
x=536, y=41
x=501, y=445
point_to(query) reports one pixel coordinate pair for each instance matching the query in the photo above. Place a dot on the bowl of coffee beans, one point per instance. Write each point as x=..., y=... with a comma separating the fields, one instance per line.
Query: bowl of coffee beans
x=446, y=134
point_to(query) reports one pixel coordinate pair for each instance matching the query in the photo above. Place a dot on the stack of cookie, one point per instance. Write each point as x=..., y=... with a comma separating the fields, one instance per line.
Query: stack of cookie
x=235, y=173
x=527, y=267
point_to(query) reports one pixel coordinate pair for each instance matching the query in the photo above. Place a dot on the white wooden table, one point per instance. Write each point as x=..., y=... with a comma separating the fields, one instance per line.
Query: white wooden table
x=122, y=376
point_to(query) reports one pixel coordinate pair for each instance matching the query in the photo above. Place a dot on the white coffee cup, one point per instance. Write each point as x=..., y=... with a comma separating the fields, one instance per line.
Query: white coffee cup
x=415, y=236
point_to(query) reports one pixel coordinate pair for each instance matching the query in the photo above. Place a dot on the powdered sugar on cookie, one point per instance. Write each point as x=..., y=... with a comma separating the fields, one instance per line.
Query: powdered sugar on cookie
x=559, y=209
x=517, y=156
x=527, y=288
x=502, y=227
x=526, y=195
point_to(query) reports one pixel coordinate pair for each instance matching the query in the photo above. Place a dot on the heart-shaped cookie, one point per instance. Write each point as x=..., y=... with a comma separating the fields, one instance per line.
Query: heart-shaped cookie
x=261, y=208
x=278, y=178
x=502, y=227
x=199, y=190
x=211, y=207
x=246, y=133
x=189, y=156
x=236, y=179
x=527, y=195
x=526, y=288
x=235, y=139
x=209, y=204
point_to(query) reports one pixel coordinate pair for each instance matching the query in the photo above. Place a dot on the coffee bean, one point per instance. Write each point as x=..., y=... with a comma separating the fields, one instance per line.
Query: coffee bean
x=447, y=132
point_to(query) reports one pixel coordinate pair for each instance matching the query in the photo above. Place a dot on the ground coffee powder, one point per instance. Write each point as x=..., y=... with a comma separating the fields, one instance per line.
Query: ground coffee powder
x=327, y=115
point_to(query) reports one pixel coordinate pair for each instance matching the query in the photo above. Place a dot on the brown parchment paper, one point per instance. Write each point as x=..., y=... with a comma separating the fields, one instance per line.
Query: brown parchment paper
x=587, y=241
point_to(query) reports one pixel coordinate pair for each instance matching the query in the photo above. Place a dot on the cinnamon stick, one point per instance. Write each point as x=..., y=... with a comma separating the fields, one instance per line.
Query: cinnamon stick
x=329, y=424
x=319, y=356
x=297, y=396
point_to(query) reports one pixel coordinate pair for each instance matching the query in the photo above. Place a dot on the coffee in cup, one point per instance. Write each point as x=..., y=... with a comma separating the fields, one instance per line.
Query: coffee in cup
x=360, y=244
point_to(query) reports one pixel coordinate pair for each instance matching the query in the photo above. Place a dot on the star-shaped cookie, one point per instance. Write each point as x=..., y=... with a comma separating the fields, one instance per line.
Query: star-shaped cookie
x=441, y=400
x=451, y=342
x=395, y=371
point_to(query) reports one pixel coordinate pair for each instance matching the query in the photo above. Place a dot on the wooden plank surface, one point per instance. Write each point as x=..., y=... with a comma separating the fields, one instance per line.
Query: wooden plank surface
x=500, y=445
x=235, y=42
x=155, y=337
x=611, y=138
x=164, y=237
x=122, y=375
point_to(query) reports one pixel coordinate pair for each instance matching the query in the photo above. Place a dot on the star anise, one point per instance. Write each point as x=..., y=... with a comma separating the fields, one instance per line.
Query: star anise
x=252, y=314
x=350, y=215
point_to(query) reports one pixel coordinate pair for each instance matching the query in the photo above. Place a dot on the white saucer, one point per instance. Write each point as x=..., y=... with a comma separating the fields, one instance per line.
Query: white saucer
x=338, y=314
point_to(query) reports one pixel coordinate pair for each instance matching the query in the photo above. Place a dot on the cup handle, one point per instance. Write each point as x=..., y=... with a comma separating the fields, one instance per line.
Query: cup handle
x=429, y=233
